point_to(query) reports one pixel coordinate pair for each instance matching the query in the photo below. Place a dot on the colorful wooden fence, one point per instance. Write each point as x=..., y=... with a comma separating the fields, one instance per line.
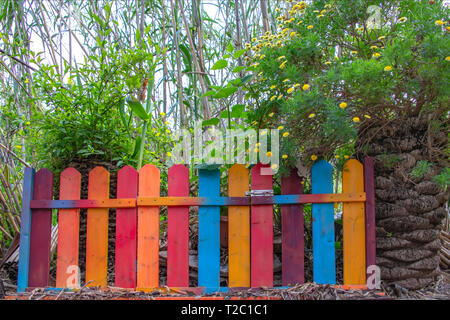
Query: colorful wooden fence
x=250, y=227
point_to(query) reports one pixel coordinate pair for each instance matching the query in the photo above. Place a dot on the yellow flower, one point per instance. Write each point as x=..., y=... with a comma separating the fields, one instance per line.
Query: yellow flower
x=284, y=156
x=310, y=27
x=285, y=134
x=168, y=131
x=18, y=147
x=346, y=157
x=447, y=58
x=169, y=154
x=258, y=144
x=373, y=47
x=328, y=62
x=27, y=123
x=439, y=22
x=312, y=115
x=337, y=157
x=388, y=68
x=255, y=150
x=354, y=52
x=269, y=154
x=263, y=133
x=402, y=19
x=273, y=98
x=69, y=81
x=343, y=105
x=271, y=114
x=280, y=97
x=381, y=38
x=313, y=157
x=280, y=128
x=274, y=166
x=356, y=119
x=305, y=87
x=376, y=55
x=367, y=116
x=273, y=87
x=447, y=28
x=166, y=123
x=292, y=34
x=286, y=80
x=296, y=85
x=262, y=57
x=290, y=90
x=283, y=64
x=26, y=80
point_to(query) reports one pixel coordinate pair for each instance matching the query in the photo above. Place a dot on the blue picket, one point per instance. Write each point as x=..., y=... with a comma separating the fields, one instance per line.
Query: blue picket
x=324, y=270
x=25, y=231
x=209, y=231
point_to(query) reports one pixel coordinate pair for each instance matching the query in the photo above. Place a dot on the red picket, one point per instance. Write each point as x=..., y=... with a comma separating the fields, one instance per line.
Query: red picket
x=261, y=232
x=41, y=230
x=178, y=229
x=126, y=230
x=292, y=255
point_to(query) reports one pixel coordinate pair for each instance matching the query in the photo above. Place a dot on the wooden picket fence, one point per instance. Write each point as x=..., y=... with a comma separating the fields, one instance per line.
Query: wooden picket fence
x=250, y=219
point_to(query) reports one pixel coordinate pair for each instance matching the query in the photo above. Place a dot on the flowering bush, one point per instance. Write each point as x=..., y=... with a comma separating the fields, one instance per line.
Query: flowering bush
x=331, y=66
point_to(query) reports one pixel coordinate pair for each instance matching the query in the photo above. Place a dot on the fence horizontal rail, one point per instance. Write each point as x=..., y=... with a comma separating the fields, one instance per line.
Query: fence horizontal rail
x=197, y=201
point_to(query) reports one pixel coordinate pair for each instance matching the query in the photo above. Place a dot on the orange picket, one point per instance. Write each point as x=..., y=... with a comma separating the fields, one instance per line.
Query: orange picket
x=68, y=230
x=238, y=229
x=354, y=225
x=97, y=230
x=148, y=230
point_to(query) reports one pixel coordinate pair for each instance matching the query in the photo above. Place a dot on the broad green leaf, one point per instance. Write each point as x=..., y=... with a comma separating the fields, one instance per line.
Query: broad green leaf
x=137, y=146
x=224, y=114
x=238, y=69
x=225, y=92
x=209, y=93
x=211, y=122
x=239, y=53
x=230, y=48
x=138, y=109
x=220, y=65
x=246, y=78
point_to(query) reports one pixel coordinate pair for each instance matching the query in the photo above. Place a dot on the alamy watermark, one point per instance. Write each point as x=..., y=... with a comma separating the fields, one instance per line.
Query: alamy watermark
x=214, y=146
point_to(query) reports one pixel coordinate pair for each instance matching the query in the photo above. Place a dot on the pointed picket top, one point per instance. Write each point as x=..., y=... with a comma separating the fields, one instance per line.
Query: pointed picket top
x=354, y=173
x=321, y=170
x=45, y=177
x=178, y=174
x=70, y=174
x=98, y=183
x=260, y=178
x=238, y=177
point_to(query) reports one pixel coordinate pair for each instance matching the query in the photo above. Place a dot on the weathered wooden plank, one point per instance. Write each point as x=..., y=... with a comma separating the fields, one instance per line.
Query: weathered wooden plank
x=369, y=188
x=354, y=225
x=238, y=229
x=126, y=230
x=97, y=230
x=68, y=231
x=41, y=229
x=209, y=231
x=178, y=229
x=292, y=256
x=25, y=230
x=148, y=229
x=324, y=270
x=261, y=232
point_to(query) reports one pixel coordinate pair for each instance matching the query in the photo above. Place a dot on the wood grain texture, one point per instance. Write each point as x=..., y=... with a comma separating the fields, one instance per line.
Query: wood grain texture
x=354, y=225
x=126, y=230
x=41, y=229
x=178, y=229
x=261, y=232
x=148, y=229
x=292, y=255
x=369, y=188
x=238, y=229
x=97, y=230
x=68, y=230
x=324, y=264
x=209, y=231
x=25, y=230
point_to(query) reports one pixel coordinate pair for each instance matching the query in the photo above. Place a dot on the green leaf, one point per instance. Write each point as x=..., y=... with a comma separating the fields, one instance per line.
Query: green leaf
x=225, y=92
x=238, y=108
x=211, y=122
x=239, y=53
x=138, y=109
x=246, y=78
x=220, y=65
x=138, y=35
x=137, y=146
x=123, y=116
x=238, y=69
x=209, y=93
x=224, y=114
x=230, y=48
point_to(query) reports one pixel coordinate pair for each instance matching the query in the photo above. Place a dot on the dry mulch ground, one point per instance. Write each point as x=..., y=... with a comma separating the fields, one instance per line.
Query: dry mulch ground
x=440, y=290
